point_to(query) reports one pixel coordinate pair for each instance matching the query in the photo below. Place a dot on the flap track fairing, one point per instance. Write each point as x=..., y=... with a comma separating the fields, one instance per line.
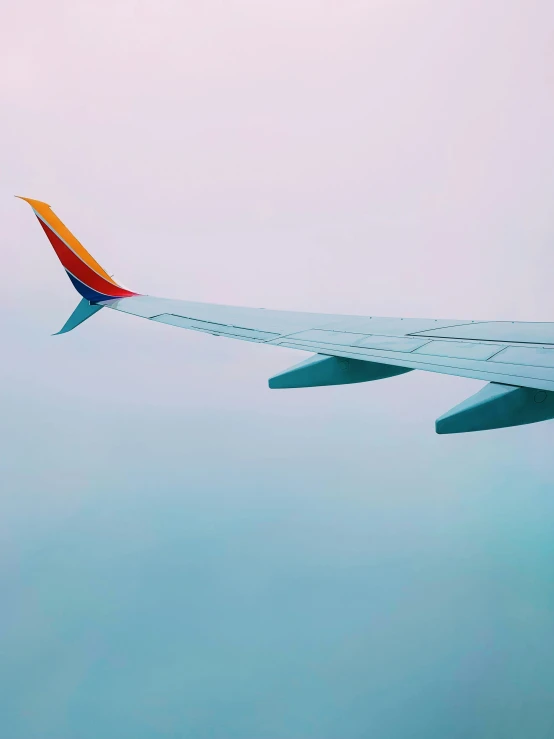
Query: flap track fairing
x=497, y=406
x=321, y=370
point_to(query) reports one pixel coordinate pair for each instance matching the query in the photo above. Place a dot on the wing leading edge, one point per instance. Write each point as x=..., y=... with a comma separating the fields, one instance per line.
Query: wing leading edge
x=348, y=349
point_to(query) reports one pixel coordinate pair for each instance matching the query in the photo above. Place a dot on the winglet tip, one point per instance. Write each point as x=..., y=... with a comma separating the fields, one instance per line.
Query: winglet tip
x=32, y=202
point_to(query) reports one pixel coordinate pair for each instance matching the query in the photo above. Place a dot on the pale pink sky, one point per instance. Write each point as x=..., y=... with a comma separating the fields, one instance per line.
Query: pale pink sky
x=377, y=158
x=371, y=157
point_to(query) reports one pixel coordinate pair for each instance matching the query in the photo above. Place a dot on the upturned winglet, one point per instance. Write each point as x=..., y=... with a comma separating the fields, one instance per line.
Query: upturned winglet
x=86, y=275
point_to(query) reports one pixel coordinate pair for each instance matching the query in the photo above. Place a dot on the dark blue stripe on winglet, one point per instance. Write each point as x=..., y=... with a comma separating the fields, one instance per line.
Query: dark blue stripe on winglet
x=86, y=291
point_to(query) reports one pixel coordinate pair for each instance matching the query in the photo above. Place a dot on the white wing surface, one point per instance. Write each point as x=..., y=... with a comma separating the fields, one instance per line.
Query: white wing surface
x=496, y=351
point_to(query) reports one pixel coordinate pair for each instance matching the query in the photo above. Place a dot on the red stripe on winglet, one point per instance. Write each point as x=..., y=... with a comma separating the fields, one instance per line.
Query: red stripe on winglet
x=82, y=271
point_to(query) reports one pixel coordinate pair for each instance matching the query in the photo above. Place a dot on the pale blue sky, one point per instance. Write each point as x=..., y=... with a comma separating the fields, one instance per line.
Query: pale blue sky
x=185, y=553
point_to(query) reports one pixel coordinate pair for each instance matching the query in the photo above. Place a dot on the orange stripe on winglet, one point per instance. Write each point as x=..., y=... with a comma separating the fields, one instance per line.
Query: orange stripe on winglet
x=45, y=212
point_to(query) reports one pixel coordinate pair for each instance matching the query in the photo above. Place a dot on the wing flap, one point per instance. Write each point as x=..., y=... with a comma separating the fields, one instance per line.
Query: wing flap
x=512, y=374
x=512, y=332
x=528, y=356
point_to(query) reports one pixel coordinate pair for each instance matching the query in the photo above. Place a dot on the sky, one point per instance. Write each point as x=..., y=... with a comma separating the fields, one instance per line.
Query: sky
x=184, y=553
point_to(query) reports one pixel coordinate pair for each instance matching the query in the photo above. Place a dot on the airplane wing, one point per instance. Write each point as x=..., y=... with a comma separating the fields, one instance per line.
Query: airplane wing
x=515, y=358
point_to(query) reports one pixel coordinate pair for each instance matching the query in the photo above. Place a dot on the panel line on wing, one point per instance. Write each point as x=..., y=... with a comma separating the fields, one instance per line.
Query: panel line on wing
x=384, y=342
x=479, y=369
x=497, y=353
x=216, y=329
x=427, y=331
